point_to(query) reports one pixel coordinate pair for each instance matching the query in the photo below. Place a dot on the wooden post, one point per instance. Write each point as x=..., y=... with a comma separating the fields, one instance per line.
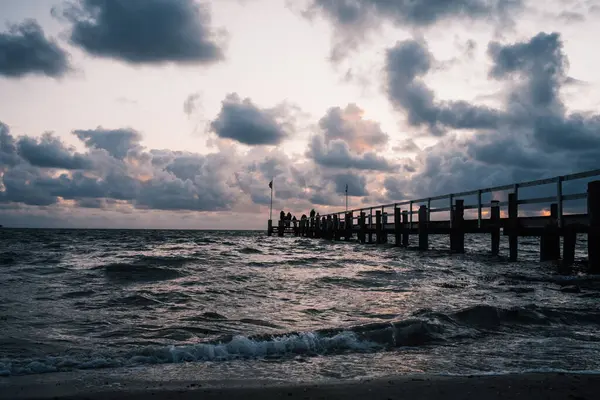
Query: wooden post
x=363, y=227
x=281, y=228
x=451, y=208
x=348, y=225
x=335, y=230
x=513, y=222
x=378, y=227
x=371, y=226
x=328, y=227
x=457, y=236
x=593, y=205
x=569, y=242
x=405, y=228
x=317, y=230
x=397, y=225
x=495, y=217
x=384, y=221
x=423, y=238
x=479, y=211
x=270, y=227
x=550, y=241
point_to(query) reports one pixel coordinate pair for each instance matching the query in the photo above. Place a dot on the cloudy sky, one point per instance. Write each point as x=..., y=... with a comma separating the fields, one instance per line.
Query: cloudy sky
x=177, y=113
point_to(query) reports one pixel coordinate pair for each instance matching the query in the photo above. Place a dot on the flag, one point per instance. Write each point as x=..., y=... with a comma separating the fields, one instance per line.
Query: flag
x=271, y=184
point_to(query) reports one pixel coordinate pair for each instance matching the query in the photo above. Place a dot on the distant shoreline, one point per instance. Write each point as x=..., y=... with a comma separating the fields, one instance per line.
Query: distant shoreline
x=417, y=386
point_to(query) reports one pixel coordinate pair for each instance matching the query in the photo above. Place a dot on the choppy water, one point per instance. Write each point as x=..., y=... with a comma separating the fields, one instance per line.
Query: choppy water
x=86, y=299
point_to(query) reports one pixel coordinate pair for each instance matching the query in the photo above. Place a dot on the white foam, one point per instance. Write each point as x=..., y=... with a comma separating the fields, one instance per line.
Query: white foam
x=239, y=347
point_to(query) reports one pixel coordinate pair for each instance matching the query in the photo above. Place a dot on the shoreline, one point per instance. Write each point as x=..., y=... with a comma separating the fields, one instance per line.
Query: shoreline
x=90, y=385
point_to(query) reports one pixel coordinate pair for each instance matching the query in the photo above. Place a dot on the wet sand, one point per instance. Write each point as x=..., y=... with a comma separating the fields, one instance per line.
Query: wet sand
x=512, y=386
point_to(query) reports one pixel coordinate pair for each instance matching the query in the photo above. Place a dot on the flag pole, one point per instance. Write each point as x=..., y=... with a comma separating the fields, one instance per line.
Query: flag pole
x=346, y=197
x=271, y=208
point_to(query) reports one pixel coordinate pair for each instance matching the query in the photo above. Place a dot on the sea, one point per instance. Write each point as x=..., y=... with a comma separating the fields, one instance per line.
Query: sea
x=245, y=305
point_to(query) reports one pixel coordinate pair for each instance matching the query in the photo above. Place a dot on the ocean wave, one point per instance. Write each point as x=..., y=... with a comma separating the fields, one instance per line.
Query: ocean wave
x=425, y=327
x=136, y=272
x=250, y=250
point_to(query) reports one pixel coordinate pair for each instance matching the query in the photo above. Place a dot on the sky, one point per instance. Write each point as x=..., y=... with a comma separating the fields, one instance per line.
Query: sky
x=177, y=113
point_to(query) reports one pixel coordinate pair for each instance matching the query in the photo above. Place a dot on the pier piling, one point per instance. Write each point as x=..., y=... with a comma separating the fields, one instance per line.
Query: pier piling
x=363, y=228
x=378, y=229
x=405, y=228
x=423, y=236
x=397, y=225
x=593, y=206
x=495, y=218
x=457, y=235
x=550, y=239
x=513, y=222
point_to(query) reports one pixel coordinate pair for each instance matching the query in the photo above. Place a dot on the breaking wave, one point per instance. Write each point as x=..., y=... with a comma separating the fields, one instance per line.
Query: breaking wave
x=421, y=329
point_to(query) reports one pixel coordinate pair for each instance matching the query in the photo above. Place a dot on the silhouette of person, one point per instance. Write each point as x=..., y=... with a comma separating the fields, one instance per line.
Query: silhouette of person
x=288, y=219
x=282, y=215
x=312, y=213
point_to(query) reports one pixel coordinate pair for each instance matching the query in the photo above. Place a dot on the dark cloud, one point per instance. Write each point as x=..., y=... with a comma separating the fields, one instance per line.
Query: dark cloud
x=25, y=50
x=325, y=199
x=243, y=121
x=357, y=184
x=337, y=154
x=536, y=136
x=348, y=125
x=144, y=31
x=117, y=142
x=50, y=152
x=539, y=64
x=354, y=19
x=8, y=148
x=406, y=63
x=174, y=181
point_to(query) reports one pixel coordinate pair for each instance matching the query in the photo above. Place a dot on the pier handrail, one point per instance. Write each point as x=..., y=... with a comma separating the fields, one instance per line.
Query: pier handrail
x=560, y=198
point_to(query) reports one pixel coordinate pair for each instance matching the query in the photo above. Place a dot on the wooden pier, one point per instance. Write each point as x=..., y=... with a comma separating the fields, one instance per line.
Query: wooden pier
x=502, y=218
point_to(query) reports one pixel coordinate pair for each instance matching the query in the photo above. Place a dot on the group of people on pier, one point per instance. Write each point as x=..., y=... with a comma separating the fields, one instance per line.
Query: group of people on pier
x=292, y=220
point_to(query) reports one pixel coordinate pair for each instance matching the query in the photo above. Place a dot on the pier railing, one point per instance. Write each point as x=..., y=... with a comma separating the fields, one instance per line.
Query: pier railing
x=549, y=227
x=559, y=198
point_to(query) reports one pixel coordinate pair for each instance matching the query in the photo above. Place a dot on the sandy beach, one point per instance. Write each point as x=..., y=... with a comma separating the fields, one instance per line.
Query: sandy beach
x=512, y=386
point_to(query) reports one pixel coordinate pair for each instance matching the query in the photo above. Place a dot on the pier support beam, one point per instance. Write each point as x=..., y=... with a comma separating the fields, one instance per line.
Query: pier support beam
x=513, y=237
x=405, y=228
x=335, y=228
x=378, y=229
x=495, y=217
x=550, y=240
x=423, y=237
x=457, y=235
x=371, y=226
x=384, y=220
x=363, y=228
x=270, y=227
x=348, y=221
x=397, y=225
x=281, y=228
x=593, y=201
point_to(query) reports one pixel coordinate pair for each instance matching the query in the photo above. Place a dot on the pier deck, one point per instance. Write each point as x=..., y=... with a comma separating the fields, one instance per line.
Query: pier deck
x=402, y=221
